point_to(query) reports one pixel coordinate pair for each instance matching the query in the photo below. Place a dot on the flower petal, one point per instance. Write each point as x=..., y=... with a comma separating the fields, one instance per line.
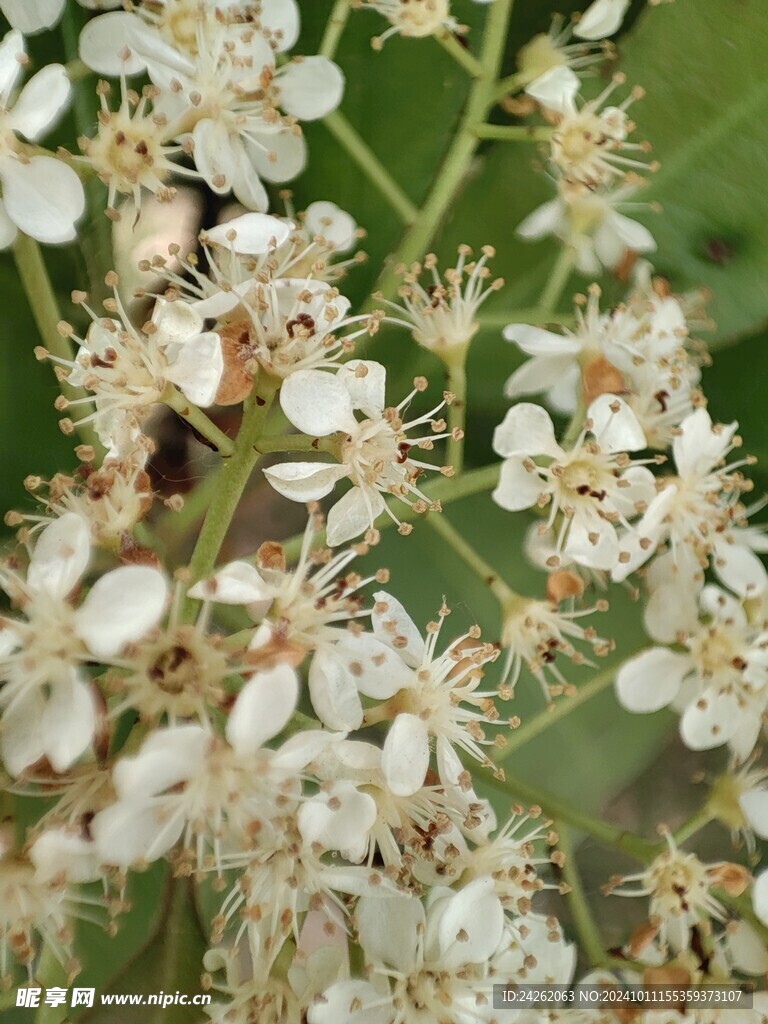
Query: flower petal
x=43, y=198
x=365, y=380
x=334, y=225
x=253, y=234
x=518, y=487
x=68, y=722
x=121, y=607
x=198, y=367
x=305, y=481
x=394, y=626
x=390, y=931
x=352, y=515
x=601, y=19
x=310, y=87
x=405, y=757
x=60, y=556
x=263, y=708
x=615, y=426
x=535, y=341
x=317, y=403
x=30, y=16
x=527, y=429
x=333, y=692
x=556, y=89
x=42, y=99
x=651, y=680
x=709, y=721
x=378, y=670
x=236, y=583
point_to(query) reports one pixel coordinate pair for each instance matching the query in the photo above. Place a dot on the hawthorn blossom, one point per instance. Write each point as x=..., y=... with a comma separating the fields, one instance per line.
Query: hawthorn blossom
x=696, y=511
x=421, y=960
x=636, y=352
x=590, y=224
x=428, y=695
x=678, y=885
x=374, y=453
x=49, y=706
x=719, y=683
x=42, y=196
x=236, y=111
x=127, y=369
x=443, y=316
x=595, y=488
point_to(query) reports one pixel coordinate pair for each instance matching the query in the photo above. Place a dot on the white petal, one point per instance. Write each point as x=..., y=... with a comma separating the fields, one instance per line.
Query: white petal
x=8, y=230
x=103, y=39
x=198, y=367
x=30, y=16
x=236, y=583
x=317, y=403
x=760, y=897
x=214, y=153
x=405, y=757
x=21, y=735
x=43, y=198
x=263, y=708
x=556, y=89
x=671, y=610
x=333, y=692
x=121, y=607
x=535, y=341
x=634, y=235
x=601, y=19
x=394, y=626
x=60, y=556
x=175, y=322
x=366, y=382
x=709, y=721
x=527, y=429
x=126, y=833
x=353, y=1001
x=11, y=50
x=547, y=219
x=281, y=156
x=68, y=722
x=168, y=758
x=471, y=925
x=739, y=568
x=537, y=374
x=615, y=426
x=254, y=233
x=58, y=853
x=390, y=931
x=746, y=948
x=651, y=680
x=339, y=820
x=352, y=515
x=310, y=88
x=305, y=481
x=518, y=487
x=42, y=99
x=754, y=804
x=280, y=18
x=378, y=671
x=247, y=187
x=331, y=223
x=698, y=448
x=593, y=543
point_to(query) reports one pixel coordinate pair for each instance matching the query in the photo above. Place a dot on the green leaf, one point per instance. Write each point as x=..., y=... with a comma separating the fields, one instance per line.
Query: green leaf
x=703, y=65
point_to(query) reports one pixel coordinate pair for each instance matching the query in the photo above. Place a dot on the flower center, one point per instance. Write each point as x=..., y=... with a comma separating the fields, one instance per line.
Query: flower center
x=372, y=450
x=539, y=56
x=421, y=17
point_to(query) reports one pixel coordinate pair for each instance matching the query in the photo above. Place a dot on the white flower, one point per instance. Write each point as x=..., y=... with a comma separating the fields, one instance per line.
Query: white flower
x=42, y=196
x=374, y=452
x=595, y=488
x=31, y=16
x=678, y=885
x=591, y=225
x=48, y=706
x=635, y=352
x=760, y=896
x=602, y=18
x=431, y=959
x=126, y=368
x=697, y=510
x=430, y=695
x=720, y=683
x=413, y=19
x=443, y=316
x=238, y=109
x=186, y=782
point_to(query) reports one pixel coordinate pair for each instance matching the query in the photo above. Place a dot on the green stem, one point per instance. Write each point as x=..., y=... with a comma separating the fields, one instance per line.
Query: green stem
x=578, y=904
x=457, y=412
x=197, y=419
x=50, y=974
x=370, y=164
x=460, y=154
x=298, y=443
x=558, y=279
x=233, y=479
x=463, y=57
x=45, y=310
x=694, y=824
x=172, y=528
x=514, y=132
x=510, y=85
x=444, y=490
x=503, y=593
x=626, y=842
x=334, y=29
x=555, y=712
